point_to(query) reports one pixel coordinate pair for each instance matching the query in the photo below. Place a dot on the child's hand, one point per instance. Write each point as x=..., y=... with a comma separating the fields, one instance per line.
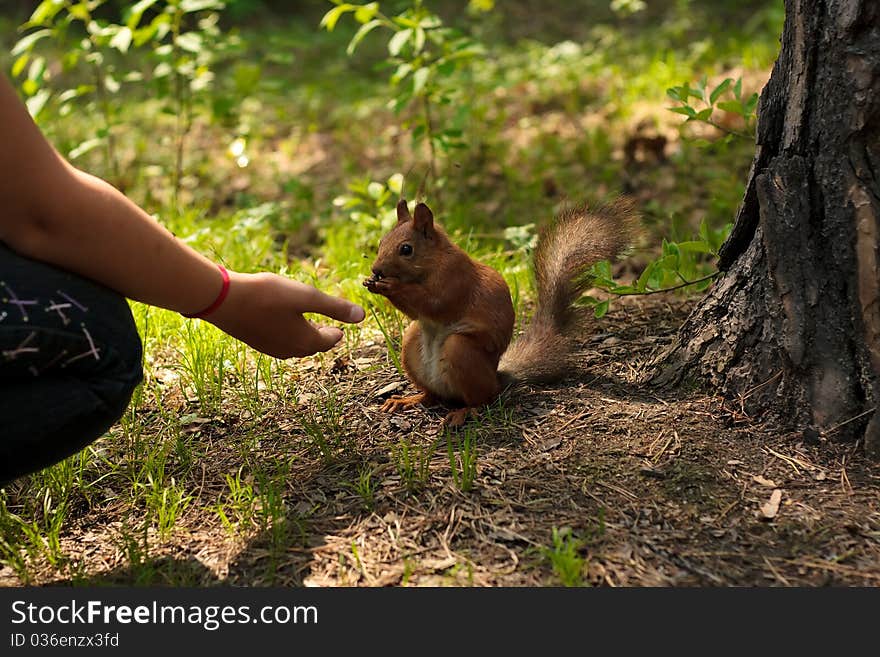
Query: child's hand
x=266, y=311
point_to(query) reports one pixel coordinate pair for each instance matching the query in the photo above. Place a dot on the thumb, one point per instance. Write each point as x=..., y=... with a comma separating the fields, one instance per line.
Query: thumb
x=335, y=308
x=327, y=337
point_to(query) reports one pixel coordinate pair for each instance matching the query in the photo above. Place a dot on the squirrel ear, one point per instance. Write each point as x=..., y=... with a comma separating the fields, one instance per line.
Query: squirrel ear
x=424, y=219
x=403, y=214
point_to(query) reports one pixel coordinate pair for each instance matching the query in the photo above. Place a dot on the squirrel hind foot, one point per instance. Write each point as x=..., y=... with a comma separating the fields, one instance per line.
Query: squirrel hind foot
x=456, y=418
x=402, y=402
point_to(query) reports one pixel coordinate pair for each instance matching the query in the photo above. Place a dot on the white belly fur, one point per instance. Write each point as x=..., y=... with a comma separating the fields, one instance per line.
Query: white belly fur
x=433, y=367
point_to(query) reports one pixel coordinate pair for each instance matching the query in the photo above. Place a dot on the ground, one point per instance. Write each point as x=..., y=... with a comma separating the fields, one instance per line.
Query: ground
x=233, y=468
x=600, y=481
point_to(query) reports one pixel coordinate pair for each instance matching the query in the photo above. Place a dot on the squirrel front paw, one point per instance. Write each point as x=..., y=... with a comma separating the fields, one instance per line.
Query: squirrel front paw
x=377, y=285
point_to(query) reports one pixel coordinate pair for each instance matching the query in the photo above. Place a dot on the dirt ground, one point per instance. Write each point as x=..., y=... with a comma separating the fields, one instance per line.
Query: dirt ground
x=661, y=488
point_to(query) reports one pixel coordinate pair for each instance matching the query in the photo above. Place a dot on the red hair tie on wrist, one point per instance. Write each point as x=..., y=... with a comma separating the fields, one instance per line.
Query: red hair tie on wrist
x=220, y=297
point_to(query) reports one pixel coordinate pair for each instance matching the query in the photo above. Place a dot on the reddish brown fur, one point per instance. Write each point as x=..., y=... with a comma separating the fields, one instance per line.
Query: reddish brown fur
x=462, y=312
x=578, y=238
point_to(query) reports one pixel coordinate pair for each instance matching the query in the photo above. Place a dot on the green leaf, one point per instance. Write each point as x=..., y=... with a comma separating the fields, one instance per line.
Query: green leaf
x=375, y=190
x=395, y=45
x=84, y=147
x=70, y=94
x=37, y=69
x=695, y=246
x=46, y=11
x=19, y=65
x=687, y=110
x=720, y=89
x=163, y=69
x=332, y=17
x=419, y=41
x=704, y=230
x=481, y=5
x=666, y=263
x=365, y=13
x=27, y=42
x=30, y=87
x=122, y=40
x=37, y=102
x=111, y=84
x=134, y=13
x=401, y=101
x=737, y=88
x=80, y=11
x=402, y=71
x=395, y=183
x=362, y=218
x=190, y=41
x=420, y=78
x=405, y=21
x=642, y=282
x=432, y=22
x=144, y=34
x=601, y=308
x=192, y=6
x=363, y=31
x=445, y=66
x=732, y=106
x=703, y=115
x=750, y=105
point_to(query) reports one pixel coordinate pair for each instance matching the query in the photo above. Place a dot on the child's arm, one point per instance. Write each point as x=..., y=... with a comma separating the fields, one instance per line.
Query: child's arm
x=51, y=211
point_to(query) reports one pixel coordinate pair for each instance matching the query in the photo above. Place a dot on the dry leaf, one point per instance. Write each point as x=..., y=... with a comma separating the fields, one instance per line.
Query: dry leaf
x=391, y=387
x=550, y=443
x=771, y=508
x=769, y=483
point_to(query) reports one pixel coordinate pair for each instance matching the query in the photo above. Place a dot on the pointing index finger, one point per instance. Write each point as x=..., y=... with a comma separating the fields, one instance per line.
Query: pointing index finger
x=334, y=307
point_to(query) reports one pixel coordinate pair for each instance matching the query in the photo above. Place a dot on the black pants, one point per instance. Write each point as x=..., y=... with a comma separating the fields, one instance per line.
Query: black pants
x=70, y=358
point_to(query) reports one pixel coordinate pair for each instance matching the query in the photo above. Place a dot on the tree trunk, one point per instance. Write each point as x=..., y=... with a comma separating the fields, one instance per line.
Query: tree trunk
x=793, y=326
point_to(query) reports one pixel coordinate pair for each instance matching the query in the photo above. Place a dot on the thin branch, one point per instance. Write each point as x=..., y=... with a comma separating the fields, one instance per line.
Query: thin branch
x=828, y=432
x=666, y=289
x=736, y=133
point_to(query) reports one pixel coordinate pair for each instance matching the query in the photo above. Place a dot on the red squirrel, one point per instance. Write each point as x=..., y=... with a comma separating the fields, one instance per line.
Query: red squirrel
x=455, y=350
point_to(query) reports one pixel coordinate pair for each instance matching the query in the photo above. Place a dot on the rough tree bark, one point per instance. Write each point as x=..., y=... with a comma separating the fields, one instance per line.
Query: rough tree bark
x=793, y=326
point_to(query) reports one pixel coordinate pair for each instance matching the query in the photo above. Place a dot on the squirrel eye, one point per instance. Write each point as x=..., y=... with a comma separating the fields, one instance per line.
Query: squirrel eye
x=406, y=249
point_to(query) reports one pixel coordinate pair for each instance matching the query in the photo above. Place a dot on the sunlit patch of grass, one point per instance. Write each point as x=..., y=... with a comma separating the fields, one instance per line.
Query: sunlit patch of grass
x=548, y=121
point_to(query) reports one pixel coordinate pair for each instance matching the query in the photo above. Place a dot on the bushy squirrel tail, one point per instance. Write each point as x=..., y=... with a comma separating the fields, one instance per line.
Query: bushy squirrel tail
x=577, y=239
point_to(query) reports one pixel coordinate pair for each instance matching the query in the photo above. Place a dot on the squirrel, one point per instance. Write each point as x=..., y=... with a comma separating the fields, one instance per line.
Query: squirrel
x=457, y=349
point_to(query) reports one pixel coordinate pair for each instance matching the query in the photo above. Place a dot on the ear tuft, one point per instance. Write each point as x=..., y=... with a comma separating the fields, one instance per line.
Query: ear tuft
x=424, y=219
x=403, y=214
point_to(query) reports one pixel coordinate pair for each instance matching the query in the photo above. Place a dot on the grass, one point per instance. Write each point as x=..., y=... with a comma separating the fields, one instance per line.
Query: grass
x=564, y=557
x=463, y=461
x=211, y=434
x=412, y=461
